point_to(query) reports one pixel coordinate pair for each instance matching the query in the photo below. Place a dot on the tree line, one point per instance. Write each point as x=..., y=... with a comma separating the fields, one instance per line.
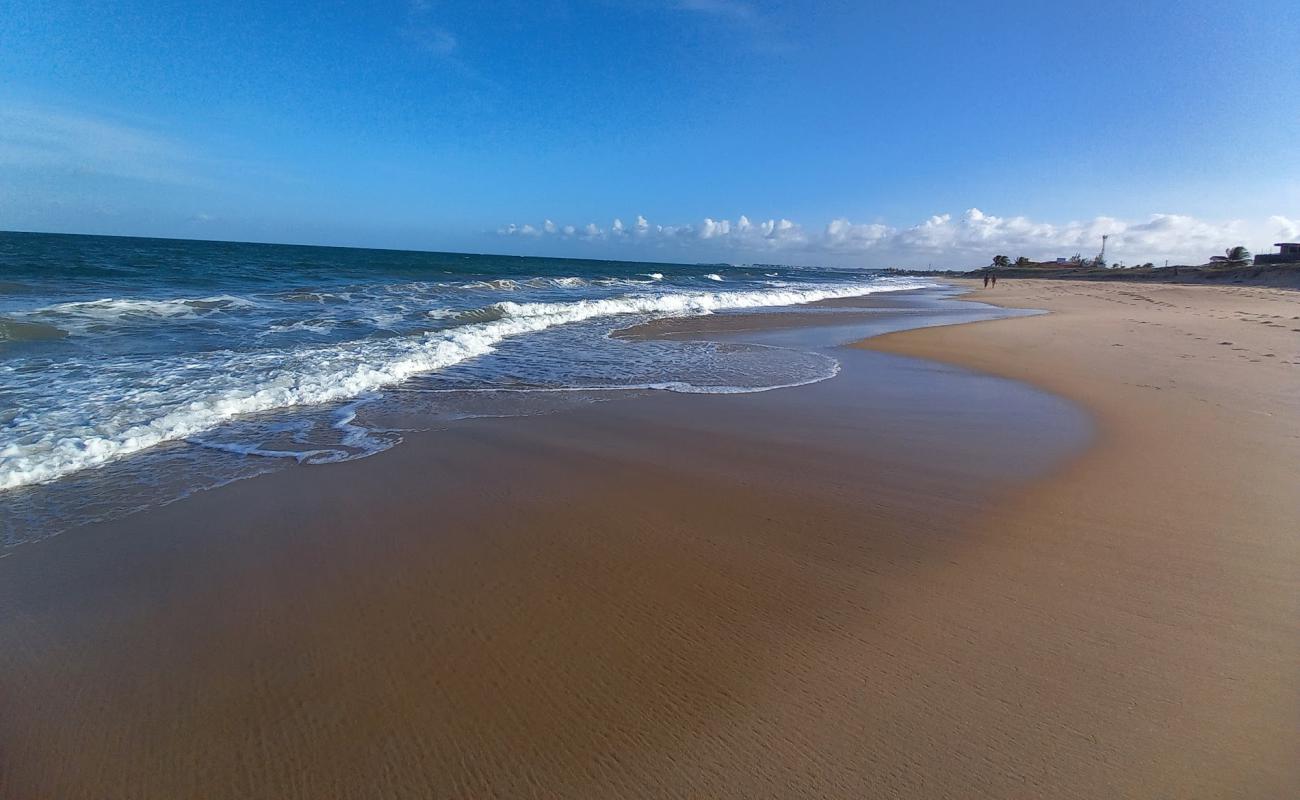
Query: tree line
x=1233, y=255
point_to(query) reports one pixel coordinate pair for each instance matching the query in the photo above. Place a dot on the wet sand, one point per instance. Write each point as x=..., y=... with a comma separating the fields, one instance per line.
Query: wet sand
x=884, y=584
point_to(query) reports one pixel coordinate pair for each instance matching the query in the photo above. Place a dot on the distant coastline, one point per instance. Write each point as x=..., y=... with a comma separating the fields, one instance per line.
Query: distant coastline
x=1279, y=275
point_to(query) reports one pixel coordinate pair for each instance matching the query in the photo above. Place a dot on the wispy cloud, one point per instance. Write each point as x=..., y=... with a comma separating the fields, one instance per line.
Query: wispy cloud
x=1285, y=229
x=730, y=9
x=432, y=39
x=764, y=32
x=969, y=238
x=34, y=138
x=424, y=31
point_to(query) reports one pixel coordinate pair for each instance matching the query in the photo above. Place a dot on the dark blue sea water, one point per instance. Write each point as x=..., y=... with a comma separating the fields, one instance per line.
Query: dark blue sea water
x=135, y=370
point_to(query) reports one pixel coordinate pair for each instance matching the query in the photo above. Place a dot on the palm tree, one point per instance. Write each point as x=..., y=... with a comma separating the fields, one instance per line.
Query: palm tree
x=1238, y=254
x=1001, y=261
x=1022, y=262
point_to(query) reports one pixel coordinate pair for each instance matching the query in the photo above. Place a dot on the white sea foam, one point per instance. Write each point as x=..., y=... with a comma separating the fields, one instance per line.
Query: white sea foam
x=506, y=284
x=679, y=387
x=117, y=413
x=317, y=326
x=112, y=308
x=639, y=282
x=713, y=276
x=317, y=456
x=88, y=316
x=567, y=283
x=679, y=303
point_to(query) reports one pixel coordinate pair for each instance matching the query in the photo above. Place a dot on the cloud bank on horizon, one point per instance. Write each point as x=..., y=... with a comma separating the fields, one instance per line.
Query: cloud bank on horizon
x=942, y=240
x=36, y=141
x=426, y=124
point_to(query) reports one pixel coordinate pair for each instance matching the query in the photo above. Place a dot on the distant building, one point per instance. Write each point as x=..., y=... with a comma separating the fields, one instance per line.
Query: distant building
x=1290, y=254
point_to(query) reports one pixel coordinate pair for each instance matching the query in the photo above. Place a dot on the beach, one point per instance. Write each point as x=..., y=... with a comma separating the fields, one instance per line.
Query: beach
x=1153, y=583
x=1041, y=556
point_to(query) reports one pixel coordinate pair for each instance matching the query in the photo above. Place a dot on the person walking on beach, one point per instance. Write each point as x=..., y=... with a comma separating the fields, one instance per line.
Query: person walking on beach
x=994, y=278
x=986, y=280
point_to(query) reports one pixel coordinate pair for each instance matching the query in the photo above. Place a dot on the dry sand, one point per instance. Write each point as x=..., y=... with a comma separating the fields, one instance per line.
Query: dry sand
x=847, y=589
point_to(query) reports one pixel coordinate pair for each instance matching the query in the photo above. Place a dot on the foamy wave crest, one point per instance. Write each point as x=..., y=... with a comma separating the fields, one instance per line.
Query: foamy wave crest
x=84, y=316
x=635, y=283
x=317, y=326
x=713, y=276
x=558, y=283
x=110, y=308
x=681, y=303
x=118, y=415
x=510, y=284
x=504, y=284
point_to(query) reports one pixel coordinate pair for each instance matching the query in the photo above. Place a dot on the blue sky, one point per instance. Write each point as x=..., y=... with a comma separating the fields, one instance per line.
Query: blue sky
x=716, y=130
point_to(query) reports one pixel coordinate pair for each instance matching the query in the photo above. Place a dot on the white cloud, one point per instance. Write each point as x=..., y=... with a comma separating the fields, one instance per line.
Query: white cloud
x=944, y=239
x=522, y=230
x=45, y=139
x=1285, y=229
x=840, y=234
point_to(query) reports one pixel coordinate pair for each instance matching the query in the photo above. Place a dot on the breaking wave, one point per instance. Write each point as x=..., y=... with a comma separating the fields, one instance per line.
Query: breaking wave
x=115, y=413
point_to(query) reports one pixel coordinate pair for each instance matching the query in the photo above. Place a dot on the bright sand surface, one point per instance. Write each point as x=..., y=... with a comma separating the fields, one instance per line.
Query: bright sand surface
x=1145, y=602
x=909, y=581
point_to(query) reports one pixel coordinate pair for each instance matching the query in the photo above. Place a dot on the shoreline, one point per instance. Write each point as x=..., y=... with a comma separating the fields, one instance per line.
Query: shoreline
x=832, y=590
x=1273, y=275
x=1186, y=511
x=165, y=474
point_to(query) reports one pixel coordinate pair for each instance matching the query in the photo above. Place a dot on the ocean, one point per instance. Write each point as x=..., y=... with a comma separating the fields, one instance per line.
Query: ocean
x=134, y=371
